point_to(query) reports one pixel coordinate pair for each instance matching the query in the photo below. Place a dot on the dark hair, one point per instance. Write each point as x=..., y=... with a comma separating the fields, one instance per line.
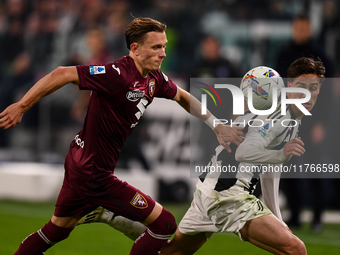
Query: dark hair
x=302, y=17
x=305, y=65
x=137, y=29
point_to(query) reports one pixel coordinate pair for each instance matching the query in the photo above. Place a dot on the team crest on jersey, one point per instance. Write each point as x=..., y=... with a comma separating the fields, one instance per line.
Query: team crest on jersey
x=134, y=95
x=264, y=130
x=97, y=70
x=139, y=201
x=152, y=85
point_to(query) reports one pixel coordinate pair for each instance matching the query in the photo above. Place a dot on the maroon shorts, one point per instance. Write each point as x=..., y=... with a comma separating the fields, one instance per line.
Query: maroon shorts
x=79, y=196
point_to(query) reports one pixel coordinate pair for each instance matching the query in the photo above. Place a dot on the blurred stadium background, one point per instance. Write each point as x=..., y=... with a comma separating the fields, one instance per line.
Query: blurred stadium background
x=36, y=36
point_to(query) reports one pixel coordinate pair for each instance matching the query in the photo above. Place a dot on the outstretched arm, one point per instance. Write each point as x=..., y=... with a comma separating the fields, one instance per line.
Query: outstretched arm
x=254, y=152
x=53, y=81
x=224, y=133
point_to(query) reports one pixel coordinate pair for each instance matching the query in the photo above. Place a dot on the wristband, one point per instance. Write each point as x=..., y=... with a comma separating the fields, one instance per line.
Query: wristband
x=212, y=121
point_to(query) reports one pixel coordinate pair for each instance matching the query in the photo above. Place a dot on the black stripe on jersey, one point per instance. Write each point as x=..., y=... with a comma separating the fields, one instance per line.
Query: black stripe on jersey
x=282, y=132
x=276, y=112
x=289, y=133
x=203, y=175
x=245, y=130
x=225, y=183
x=227, y=179
x=253, y=183
x=231, y=157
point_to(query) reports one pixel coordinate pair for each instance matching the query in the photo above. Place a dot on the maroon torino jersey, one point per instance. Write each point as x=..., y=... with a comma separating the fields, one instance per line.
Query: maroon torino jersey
x=119, y=97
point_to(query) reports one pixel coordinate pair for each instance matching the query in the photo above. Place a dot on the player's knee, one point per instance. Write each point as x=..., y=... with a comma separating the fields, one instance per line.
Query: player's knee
x=55, y=233
x=165, y=224
x=296, y=247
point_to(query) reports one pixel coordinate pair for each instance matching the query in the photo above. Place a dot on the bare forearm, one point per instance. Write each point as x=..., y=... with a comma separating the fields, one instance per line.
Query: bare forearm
x=195, y=109
x=192, y=106
x=47, y=85
x=224, y=133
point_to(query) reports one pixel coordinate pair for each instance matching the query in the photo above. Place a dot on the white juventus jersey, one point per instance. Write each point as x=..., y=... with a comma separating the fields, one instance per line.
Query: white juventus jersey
x=262, y=146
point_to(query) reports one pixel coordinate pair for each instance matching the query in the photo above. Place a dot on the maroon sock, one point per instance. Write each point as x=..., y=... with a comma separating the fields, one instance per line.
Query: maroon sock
x=155, y=236
x=38, y=242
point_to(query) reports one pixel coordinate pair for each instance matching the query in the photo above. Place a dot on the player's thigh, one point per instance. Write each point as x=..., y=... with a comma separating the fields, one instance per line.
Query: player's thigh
x=269, y=233
x=122, y=199
x=183, y=244
x=71, y=202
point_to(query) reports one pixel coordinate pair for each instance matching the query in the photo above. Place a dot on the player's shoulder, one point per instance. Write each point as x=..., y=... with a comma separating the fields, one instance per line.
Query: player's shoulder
x=124, y=63
x=123, y=68
x=264, y=124
x=159, y=76
x=277, y=122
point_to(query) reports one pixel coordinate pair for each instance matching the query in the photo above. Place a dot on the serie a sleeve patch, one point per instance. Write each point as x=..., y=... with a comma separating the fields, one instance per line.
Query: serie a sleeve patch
x=264, y=130
x=97, y=70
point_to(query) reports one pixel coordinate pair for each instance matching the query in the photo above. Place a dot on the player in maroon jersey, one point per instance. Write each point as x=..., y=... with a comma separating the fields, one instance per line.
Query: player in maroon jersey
x=121, y=91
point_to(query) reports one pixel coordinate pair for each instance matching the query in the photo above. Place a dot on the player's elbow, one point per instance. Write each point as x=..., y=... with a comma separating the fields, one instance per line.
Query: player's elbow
x=59, y=71
x=66, y=74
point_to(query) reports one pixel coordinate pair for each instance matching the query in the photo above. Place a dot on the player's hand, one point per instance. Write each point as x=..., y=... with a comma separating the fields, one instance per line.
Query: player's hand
x=294, y=147
x=11, y=116
x=226, y=135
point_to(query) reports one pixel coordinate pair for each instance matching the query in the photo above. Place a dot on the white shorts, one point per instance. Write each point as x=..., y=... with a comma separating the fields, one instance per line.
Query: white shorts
x=228, y=213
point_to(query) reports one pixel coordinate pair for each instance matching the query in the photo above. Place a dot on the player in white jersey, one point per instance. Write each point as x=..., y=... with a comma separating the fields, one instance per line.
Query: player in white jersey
x=227, y=205
x=223, y=202
x=263, y=145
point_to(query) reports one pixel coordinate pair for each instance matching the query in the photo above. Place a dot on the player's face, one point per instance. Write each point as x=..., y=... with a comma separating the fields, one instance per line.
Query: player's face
x=310, y=82
x=152, y=51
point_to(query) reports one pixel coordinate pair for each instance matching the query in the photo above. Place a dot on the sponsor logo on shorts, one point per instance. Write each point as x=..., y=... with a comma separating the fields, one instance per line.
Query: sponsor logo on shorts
x=134, y=95
x=97, y=70
x=139, y=201
x=152, y=84
x=260, y=205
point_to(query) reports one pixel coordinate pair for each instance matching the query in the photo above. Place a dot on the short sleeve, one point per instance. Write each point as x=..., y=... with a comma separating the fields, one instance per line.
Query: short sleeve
x=168, y=88
x=107, y=78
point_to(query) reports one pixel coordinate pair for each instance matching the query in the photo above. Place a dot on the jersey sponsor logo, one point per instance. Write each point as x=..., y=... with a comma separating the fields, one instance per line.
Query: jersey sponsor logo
x=78, y=141
x=134, y=95
x=136, y=82
x=264, y=130
x=152, y=85
x=116, y=68
x=139, y=201
x=97, y=70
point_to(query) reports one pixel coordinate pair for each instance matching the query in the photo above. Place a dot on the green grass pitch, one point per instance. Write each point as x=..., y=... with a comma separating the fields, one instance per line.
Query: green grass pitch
x=19, y=219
